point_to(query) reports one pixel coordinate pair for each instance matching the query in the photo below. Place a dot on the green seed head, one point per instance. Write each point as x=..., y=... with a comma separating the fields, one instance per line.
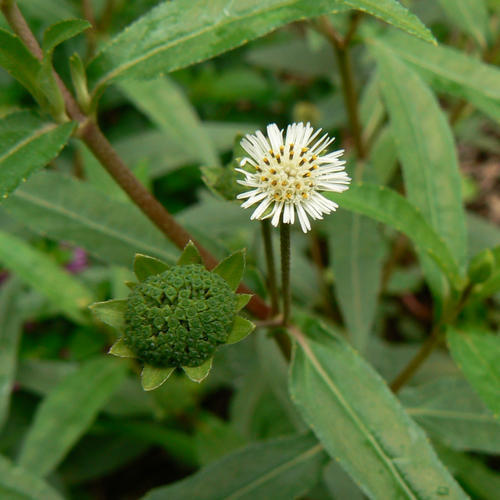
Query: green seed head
x=179, y=317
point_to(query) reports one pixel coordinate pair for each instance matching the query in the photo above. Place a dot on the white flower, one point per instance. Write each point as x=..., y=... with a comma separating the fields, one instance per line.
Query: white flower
x=289, y=174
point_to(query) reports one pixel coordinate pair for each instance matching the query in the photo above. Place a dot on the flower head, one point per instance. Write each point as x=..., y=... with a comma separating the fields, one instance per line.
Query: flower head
x=289, y=174
x=177, y=316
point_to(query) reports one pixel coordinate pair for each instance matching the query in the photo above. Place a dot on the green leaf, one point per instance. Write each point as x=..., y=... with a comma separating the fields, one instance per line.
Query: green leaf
x=427, y=152
x=215, y=438
x=389, y=207
x=11, y=323
x=18, y=484
x=242, y=299
x=357, y=255
x=241, y=329
x=67, y=412
x=279, y=469
x=121, y=350
x=482, y=233
x=48, y=11
x=66, y=209
x=53, y=99
x=163, y=101
x=199, y=373
x=145, y=265
x=189, y=255
x=480, y=481
x=489, y=287
x=18, y=61
x=450, y=411
x=340, y=484
x=163, y=155
x=111, y=312
x=232, y=268
x=450, y=71
x=152, y=376
x=273, y=366
x=471, y=16
x=44, y=275
x=384, y=156
x=477, y=353
x=177, y=34
x=62, y=31
x=27, y=143
x=361, y=423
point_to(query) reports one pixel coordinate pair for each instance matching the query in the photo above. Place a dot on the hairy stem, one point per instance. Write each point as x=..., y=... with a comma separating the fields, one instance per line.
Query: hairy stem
x=90, y=133
x=271, y=268
x=285, y=271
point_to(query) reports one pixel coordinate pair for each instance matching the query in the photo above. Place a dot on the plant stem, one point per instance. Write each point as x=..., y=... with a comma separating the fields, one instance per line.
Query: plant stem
x=341, y=49
x=317, y=257
x=414, y=364
x=432, y=341
x=90, y=133
x=271, y=268
x=285, y=271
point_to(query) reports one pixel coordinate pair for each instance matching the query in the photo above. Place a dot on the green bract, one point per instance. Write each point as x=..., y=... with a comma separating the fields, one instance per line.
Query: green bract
x=176, y=317
x=179, y=317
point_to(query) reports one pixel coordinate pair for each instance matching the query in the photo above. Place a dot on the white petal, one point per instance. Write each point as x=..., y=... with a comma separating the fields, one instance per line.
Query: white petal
x=261, y=209
x=277, y=212
x=253, y=199
x=247, y=194
x=304, y=221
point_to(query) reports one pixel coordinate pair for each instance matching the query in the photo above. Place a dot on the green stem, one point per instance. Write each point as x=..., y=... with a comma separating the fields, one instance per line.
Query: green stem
x=409, y=370
x=431, y=343
x=285, y=271
x=271, y=268
x=341, y=49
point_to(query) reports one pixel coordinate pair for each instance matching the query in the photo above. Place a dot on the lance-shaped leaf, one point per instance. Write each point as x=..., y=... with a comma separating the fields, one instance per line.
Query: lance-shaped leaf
x=145, y=265
x=67, y=412
x=450, y=71
x=360, y=422
x=11, y=323
x=27, y=143
x=280, y=469
x=471, y=16
x=189, y=255
x=176, y=34
x=232, y=268
x=357, y=254
x=17, y=483
x=199, y=373
x=61, y=31
x=37, y=269
x=389, y=207
x=17, y=60
x=241, y=329
x=67, y=209
x=152, y=376
x=473, y=473
x=477, y=353
x=111, y=312
x=163, y=101
x=426, y=149
x=449, y=410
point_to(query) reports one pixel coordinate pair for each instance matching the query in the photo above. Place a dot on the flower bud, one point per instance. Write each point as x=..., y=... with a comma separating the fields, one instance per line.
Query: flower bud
x=179, y=317
x=481, y=266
